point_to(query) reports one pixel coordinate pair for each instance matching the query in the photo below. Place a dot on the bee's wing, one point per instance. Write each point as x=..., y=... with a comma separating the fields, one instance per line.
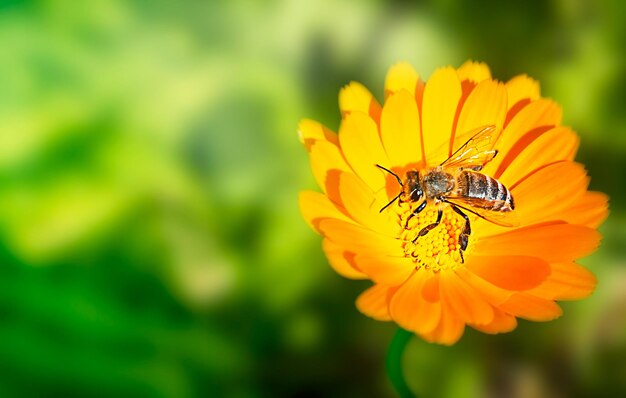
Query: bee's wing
x=476, y=151
x=481, y=208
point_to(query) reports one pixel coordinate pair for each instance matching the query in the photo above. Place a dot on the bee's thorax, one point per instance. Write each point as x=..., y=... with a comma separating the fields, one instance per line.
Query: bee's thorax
x=437, y=183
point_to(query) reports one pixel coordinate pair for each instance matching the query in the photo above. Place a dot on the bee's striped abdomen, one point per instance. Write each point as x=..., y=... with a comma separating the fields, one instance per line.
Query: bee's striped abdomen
x=495, y=196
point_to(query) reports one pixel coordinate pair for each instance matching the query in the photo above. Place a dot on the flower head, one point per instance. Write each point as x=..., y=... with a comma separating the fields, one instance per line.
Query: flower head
x=446, y=257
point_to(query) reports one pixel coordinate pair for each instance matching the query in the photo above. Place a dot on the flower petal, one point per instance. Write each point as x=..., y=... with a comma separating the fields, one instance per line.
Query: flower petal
x=548, y=190
x=449, y=330
x=542, y=196
x=522, y=90
x=559, y=242
x=400, y=129
x=310, y=131
x=358, y=239
x=316, y=207
x=326, y=162
x=363, y=205
x=361, y=146
x=355, y=97
x=509, y=272
x=527, y=306
x=486, y=105
x=492, y=294
x=441, y=98
x=341, y=261
x=373, y=303
x=474, y=71
x=590, y=209
x=466, y=303
x=401, y=76
x=386, y=270
x=501, y=323
x=411, y=306
x=522, y=87
x=567, y=281
x=522, y=130
x=559, y=143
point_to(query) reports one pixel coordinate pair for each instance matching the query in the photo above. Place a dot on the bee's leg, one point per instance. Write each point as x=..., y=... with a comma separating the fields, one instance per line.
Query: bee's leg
x=467, y=229
x=463, y=237
x=427, y=228
x=416, y=212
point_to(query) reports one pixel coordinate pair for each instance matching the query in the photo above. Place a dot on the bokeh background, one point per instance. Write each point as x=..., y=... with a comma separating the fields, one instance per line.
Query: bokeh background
x=150, y=241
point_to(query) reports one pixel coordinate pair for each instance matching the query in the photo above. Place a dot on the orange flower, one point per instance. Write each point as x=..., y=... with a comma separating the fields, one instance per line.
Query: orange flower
x=428, y=284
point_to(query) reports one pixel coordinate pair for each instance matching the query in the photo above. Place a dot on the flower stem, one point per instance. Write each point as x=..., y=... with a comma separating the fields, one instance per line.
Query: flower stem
x=394, y=363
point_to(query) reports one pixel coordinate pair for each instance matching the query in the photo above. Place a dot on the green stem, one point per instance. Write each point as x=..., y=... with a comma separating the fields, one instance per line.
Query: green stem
x=394, y=363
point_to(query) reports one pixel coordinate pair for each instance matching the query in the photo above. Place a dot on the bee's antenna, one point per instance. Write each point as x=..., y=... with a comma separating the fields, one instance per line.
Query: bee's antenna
x=389, y=204
x=399, y=182
x=393, y=174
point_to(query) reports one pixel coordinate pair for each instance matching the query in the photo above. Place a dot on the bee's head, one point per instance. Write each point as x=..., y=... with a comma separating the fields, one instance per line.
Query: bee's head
x=412, y=189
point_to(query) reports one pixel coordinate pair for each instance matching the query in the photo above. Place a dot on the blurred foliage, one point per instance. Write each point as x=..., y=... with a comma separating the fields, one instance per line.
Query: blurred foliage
x=150, y=241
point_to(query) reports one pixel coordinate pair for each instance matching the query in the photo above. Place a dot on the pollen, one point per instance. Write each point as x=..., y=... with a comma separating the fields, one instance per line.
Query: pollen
x=439, y=249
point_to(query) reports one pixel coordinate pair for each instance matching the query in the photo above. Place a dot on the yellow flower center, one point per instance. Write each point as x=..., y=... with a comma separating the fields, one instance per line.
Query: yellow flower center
x=437, y=250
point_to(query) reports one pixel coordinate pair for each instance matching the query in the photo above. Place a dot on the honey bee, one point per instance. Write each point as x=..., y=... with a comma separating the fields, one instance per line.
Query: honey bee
x=458, y=183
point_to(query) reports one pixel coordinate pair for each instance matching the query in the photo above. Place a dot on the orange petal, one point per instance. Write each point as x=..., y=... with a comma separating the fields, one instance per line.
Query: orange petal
x=509, y=272
x=361, y=146
x=341, y=261
x=326, y=162
x=567, y=281
x=357, y=98
x=527, y=306
x=590, y=209
x=558, y=242
x=486, y=105
x=419, y=95
x=316, y=207
x=400, y=129
x=410, y=307
x=522, y=87
x=401, y=76
x=548, y=191
x=373, y=303
x=310, y=130
x=384, y=269
x=501, y=323
x=559, y=143
x=466, y=303
x=491, y=293
x=441, y=98
x=474, y=71
x=364, y=206
x=519, y=132
x=449, y=330
x=358, y=239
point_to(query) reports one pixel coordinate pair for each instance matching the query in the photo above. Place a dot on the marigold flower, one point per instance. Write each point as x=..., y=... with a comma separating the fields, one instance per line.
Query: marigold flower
x=426, y=283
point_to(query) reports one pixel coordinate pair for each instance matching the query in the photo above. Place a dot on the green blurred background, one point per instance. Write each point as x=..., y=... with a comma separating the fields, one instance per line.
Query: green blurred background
x=150, y=241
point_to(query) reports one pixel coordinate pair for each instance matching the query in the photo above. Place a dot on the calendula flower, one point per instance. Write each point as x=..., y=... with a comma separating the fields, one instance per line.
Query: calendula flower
x=483, y=272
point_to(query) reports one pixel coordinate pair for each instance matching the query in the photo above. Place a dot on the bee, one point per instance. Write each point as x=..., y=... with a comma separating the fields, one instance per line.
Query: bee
x=458, y=183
